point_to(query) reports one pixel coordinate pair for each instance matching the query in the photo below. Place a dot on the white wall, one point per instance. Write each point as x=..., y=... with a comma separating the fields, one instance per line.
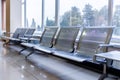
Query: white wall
x=15, y=14
x=0, y=17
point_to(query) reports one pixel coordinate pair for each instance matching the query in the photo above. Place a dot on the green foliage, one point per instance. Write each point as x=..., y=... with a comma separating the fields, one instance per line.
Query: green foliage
x=104, y=12
x=71, y=18
x=88, y=15
x=75, y=16
x=50, y=22
x=65, y=19
x=101, y=17
x=116, y=20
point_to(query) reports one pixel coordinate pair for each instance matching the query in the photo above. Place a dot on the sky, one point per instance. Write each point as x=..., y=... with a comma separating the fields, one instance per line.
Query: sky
x=34, y=7
x=80, y=4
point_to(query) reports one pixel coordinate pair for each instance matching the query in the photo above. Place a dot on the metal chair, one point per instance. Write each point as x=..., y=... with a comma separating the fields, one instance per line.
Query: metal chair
x=46, y=41
x=88, y=44
x=65, y=41
x=19, y=32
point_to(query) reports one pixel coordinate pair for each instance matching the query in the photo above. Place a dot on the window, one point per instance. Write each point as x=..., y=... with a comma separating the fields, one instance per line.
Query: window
x=83, y=12
x=3, y=8
x=50, y=12
x=116, y=21
x=23, y=14
x=116, y=13
x=33, y=13
x=72, y=13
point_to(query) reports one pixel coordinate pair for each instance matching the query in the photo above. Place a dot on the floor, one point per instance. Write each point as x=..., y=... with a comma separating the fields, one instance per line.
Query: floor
x=40, y=67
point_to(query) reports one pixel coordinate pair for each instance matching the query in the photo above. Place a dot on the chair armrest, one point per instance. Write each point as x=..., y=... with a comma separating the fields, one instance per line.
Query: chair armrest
x=33, y=39
x=98, y=61
x=101, y=46
x=28, y=35
x=110, y=45
x=8, y=33
x=106, y=45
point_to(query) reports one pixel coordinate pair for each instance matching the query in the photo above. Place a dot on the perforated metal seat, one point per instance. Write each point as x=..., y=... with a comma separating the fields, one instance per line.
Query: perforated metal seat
x=89, y=41
x=19, y=32
x=68, y=55
x=43, y=49
x=28, y=44
x=28, y=34
x=15, y=34
x=46, y=41
x=65, y=41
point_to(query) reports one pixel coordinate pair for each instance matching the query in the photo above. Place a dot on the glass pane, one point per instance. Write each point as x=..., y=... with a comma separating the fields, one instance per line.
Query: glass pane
x=33, y=13
x=22, y=1
x=83, y=12
x=91, y=38
x=23, y=14
x=50, y=12
x=116, y=21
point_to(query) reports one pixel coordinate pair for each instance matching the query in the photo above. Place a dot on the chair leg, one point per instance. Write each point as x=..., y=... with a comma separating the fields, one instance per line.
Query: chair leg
x=102, y=77
x=29, y=54
x=6, y=43
x=21, y=51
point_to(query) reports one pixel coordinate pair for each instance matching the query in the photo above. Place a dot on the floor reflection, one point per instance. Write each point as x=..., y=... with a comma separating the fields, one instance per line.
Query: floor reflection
x=14, y=67
x=38, y=67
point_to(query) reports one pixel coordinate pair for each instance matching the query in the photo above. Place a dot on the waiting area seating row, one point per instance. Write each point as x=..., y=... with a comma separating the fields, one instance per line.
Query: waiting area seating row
x=20, y=35
x=79, y=44
x=74, y=43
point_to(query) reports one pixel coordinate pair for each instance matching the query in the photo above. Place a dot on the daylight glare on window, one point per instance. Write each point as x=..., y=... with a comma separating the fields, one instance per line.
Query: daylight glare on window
x=72, y=13
x=33, y=13
x=83, y=12
x=49, y=12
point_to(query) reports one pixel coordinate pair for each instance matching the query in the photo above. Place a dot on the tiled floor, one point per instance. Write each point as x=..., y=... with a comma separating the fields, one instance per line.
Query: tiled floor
x=14, y=67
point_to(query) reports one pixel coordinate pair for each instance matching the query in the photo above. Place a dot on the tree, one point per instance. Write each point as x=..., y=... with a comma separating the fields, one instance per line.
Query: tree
x=71, y=18
x=50, y=22
x=65, y=19
x=33, y=24
x=96, y=17
x=103, y=16
x=88, y=15
x=104, y=12
x=75, y=16
x=116, y=19
x=38, y=27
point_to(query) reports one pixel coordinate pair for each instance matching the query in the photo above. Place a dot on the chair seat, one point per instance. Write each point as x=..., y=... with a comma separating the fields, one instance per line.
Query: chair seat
x=28, y=44
x=4, y=37
x=34, y=39
x=14, y=39
x=24, y=38
x=10, y=38
x=43, y=49
x=70, y=56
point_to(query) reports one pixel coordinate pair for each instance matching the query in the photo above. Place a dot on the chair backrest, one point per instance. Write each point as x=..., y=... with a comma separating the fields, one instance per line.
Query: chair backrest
x=22, y=32
x=91, y=38
x=66, y=38
x=16, y=33
x=29, y=32
x=48, y=36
